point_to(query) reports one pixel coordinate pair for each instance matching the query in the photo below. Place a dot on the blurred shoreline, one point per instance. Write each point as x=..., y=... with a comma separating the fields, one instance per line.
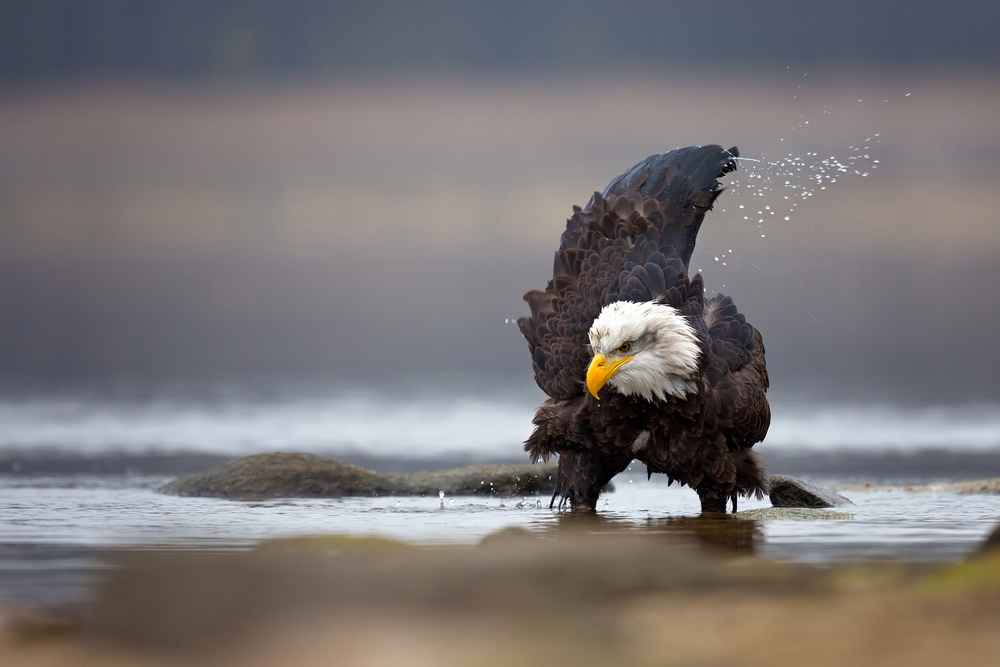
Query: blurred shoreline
x=155, y=229
x=897, y=467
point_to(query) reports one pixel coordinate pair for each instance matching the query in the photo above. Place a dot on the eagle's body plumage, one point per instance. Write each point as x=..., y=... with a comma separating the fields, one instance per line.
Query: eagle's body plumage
x=682, y=377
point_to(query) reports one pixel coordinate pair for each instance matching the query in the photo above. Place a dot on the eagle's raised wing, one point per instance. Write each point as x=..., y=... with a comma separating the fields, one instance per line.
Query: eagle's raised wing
x=737, y=372
x=632, y=242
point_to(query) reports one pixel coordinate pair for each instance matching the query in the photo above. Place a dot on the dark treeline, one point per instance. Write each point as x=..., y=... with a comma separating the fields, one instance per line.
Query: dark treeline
x=59, y=40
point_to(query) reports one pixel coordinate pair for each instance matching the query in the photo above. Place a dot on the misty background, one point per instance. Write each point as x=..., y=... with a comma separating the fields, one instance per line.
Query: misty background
x=357, y=195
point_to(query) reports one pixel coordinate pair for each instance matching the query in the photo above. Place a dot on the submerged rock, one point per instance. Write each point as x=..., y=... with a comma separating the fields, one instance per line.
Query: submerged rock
x=299, y=475
x=793, y=513
x=791, y=492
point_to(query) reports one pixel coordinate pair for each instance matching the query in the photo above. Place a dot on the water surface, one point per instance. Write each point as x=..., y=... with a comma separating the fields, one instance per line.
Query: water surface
x=79, y=464
x=56, y=532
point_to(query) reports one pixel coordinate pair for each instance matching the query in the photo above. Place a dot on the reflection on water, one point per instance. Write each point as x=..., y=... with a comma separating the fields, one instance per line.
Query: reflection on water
x=724, y=533
x=54, y=530
x=741, y=536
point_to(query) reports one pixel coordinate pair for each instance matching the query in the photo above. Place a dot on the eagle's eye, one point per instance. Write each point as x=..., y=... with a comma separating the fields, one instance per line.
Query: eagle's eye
x=625, y=347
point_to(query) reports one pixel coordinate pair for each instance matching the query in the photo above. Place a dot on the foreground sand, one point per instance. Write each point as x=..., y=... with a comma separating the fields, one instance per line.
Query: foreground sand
x=688, y=592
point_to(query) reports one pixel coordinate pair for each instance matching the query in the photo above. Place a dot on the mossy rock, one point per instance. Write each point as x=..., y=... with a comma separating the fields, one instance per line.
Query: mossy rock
x=299, y=475
x=793, y=492
x=280, y=475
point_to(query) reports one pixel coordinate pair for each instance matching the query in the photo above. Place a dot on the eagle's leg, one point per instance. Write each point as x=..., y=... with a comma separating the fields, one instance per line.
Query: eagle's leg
x=582, y=474
x=713, y=499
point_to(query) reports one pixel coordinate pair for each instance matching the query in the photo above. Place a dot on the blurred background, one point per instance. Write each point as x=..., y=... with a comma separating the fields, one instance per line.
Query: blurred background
x=239, y=226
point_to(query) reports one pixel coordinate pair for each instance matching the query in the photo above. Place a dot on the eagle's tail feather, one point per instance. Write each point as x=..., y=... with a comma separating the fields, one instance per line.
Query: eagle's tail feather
x=751, y=475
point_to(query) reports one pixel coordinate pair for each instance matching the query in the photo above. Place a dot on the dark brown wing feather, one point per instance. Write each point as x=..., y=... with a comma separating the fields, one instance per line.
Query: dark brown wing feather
x=633, y=242
x=736, y=370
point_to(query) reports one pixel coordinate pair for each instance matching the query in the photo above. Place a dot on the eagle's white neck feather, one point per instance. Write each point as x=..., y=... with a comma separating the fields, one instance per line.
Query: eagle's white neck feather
x=664, y=352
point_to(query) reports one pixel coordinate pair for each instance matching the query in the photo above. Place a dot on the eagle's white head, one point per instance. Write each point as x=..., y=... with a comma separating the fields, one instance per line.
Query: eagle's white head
x=647, y=349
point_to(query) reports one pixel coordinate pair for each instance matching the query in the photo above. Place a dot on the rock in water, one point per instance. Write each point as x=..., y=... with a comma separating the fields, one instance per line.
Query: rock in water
x=280, y=475
x=297, y=475
x=791, y=492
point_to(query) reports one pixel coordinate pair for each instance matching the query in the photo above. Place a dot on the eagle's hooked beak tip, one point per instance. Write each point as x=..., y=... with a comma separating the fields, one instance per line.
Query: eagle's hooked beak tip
x=600, y=372
x=597, y=375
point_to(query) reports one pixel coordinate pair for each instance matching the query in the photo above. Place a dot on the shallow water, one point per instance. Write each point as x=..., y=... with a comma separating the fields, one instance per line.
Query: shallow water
x=56, y=532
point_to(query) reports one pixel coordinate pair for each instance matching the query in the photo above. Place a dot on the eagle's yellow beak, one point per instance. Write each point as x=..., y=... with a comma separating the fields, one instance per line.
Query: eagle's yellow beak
x=601, y=371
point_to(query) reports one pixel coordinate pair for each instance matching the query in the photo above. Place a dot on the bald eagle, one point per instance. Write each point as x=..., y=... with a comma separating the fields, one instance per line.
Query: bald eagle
x=636, y=361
